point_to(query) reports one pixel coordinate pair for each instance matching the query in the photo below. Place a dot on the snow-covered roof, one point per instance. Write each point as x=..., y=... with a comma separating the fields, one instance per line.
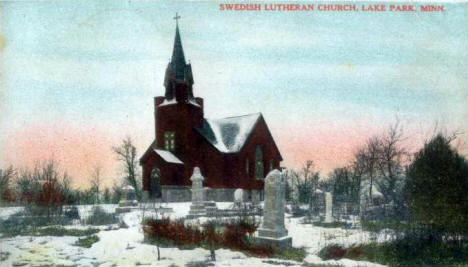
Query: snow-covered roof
x=228, y=135
x=193, y=102
x=365, y=186
x=168, y=102
x=174, y=101
x=168, y=156
x=128, y=188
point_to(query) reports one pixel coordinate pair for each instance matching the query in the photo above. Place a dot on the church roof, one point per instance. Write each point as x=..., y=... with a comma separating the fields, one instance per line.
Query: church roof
x=229, y=135
x=168, y=156
x=178, y=58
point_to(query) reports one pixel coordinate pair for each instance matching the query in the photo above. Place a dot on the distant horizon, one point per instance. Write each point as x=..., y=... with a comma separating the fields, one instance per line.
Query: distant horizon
x=78, y=77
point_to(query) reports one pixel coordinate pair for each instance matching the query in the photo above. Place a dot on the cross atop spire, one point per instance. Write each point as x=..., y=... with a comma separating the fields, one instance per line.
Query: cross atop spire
x=178, y=71
x=177, y=17
x=178, y=58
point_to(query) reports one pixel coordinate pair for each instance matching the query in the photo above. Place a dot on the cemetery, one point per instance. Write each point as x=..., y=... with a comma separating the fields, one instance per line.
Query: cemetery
x=301, y=221
x=157, y=233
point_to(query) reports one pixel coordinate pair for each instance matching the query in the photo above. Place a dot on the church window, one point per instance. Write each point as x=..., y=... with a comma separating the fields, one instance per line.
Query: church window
x=259, y=163
x=271, y=164
x=169, y=141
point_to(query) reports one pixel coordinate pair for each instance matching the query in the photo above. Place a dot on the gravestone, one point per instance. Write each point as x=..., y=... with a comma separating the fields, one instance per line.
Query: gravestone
x=256, y=197
x=328, y=207
x=198, y=194
x=128, y=201
x=238, y=198
x=272, y=231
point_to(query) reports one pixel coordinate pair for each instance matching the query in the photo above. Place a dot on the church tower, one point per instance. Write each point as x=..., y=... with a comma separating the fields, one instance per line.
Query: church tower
x=178, y=112
x=178, y=72
x=234, y=152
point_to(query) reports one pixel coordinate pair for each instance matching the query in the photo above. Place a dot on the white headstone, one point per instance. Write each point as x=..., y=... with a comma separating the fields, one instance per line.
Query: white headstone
x=239, y=196
x=328, y=207
x=272, y=229
x=197, y=185
x=198, y=194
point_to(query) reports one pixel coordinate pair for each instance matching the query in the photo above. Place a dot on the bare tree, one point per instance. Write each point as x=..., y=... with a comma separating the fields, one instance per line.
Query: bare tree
x=65, y=187
x=96, y=181
x=6, y=177
x=304, y=181
x=127, y=154
x=391, y=159
x=367, y=161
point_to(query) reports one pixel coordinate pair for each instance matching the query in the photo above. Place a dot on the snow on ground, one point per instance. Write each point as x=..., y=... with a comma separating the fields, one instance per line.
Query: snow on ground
x=8, y=211
x=125, y=247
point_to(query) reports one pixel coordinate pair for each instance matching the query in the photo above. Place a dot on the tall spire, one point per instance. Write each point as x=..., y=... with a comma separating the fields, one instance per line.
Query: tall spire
x=178, y=58
x=177, y=71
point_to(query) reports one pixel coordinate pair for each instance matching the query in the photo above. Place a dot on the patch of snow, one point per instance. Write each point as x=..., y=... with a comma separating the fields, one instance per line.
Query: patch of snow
x=6, y=212
x=365, y=188
x=168, y=156
x=168, y=102
x=193, y=102
x=126, y=247
x=86, y=210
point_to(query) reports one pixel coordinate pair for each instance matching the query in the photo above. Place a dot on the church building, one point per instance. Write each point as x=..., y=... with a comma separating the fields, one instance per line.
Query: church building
x=234, y=152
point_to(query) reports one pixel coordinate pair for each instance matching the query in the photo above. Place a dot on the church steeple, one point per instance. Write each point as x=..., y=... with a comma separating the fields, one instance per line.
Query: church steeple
x=178, y=58
x=177, y=71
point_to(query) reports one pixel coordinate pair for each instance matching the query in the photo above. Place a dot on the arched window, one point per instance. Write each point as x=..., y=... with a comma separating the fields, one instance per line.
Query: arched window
x=155, y=183
x=259, y=163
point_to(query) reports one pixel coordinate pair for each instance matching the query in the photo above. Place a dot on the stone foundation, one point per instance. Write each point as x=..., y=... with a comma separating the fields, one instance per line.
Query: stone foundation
x=172, y=193
x=219, y=194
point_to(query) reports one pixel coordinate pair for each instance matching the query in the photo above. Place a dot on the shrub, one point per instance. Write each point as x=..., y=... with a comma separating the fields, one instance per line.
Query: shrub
x=101, y=217
x=332, y=252
x=11, y=230
x=72, y=213
x=60, y=231
x=22, y=223
x=210, y=238
x=403, y=252
x=172, y=233
x=232, y=235
x=295, y=254
x=87, y=242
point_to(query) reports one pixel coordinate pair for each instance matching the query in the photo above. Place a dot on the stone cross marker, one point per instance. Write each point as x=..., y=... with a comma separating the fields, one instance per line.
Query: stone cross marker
x=272, y=230
x=198, y=194
x=328, y=207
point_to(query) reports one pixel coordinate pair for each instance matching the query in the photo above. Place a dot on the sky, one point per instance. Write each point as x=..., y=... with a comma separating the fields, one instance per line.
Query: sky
x=79, y=76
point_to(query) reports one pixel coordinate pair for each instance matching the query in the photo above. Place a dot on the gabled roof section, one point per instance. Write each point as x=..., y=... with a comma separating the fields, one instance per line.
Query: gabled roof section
x=168, y=156
x=229, y=135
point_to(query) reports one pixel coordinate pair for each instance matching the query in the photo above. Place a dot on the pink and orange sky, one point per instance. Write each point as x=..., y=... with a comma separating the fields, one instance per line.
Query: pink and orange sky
x=78, y=77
